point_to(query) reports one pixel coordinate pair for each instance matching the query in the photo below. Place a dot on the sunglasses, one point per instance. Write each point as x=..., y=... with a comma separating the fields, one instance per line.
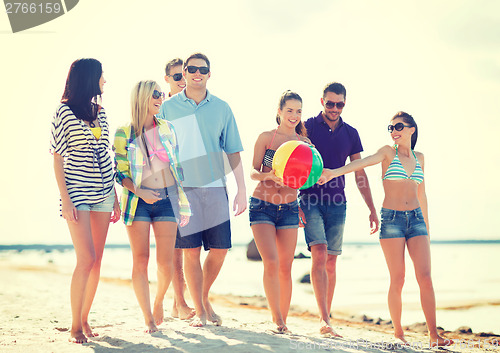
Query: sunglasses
x=158, y=94
x=176, y=77
x=331, y=105
x=203, y=69
x=397, y=127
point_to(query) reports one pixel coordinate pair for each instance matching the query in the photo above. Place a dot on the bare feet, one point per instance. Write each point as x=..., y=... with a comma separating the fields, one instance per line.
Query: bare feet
x=280, y=329
x=158, y=312
x=183, y=312
x=401, y=337
x=77, y=337
x=212, y=316
x=198, y=321
x=327, y=331
x=87, y=330
x=151, y=328
x=440, y=342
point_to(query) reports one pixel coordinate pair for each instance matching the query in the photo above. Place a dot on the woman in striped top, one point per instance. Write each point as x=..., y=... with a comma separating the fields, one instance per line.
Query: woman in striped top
x=147, y=160
x=85, y=177
x=405, y=221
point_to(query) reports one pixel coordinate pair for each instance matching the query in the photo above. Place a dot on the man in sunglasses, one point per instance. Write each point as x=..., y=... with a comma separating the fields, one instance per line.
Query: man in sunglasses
x=209, y=142
x=174, y=76
x=323, y=207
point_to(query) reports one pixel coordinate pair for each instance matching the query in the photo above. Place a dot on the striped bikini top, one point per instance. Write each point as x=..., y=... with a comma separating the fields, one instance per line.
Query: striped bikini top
x=267, y=161
x=396, y=171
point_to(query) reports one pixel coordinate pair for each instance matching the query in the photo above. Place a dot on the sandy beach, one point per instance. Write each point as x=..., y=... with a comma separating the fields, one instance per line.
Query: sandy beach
x=35, y=317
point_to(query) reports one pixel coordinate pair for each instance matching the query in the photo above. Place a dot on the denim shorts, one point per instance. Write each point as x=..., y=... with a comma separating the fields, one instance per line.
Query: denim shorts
x=324, y=223
x=282, y=216
x=402, y=224
x=160, y=211
x=103, y=206
x=209, y=224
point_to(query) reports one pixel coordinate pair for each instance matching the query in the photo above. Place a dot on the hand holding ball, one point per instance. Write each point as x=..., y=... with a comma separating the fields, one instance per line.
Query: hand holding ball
x=299, y=164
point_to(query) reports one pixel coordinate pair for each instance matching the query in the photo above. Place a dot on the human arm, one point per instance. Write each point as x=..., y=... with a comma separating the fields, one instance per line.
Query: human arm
x=68, y=210
x=355, y=165
x=123, y=172
x=115, y=216
x=259, y=150
x=240, y=201
x=421, y=195
x=364, y=188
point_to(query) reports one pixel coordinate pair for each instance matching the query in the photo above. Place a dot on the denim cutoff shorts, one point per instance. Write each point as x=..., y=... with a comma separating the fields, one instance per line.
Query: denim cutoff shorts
x=402, y=224
x=209, y=224
x=103, y=206
x=282, y=216
x=324, y=223
x=160, y=211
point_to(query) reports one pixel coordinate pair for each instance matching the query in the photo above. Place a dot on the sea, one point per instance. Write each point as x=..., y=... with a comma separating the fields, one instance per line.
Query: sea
x=466, y=277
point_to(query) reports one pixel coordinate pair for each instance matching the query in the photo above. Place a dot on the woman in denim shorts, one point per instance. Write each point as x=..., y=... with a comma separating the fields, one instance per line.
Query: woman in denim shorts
x=274, y=210
x=146, y=155
x=405, y=221
x=84, y=172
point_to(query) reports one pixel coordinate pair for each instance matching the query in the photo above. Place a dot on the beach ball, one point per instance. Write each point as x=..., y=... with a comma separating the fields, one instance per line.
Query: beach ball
x=299, y=164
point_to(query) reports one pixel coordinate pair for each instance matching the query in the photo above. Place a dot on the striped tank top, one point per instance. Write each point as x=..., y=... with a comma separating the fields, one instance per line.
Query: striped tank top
x=396, y=171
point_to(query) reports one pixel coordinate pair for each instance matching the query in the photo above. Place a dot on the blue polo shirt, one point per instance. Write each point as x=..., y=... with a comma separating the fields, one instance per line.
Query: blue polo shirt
x=206, y=132
x=334, y=146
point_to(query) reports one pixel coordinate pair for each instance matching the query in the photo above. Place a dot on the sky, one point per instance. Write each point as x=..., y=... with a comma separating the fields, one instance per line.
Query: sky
x=437, y=60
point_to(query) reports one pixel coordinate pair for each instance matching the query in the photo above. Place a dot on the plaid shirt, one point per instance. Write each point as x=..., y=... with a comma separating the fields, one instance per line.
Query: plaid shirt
x=129, y=161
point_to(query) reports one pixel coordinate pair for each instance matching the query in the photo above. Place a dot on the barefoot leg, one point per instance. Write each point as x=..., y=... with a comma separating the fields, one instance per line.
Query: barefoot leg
x=394, y=256
x=165, y=233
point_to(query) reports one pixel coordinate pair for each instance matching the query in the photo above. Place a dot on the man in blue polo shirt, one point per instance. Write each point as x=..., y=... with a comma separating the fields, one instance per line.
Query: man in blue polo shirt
x=324, y=206
x=209, y=148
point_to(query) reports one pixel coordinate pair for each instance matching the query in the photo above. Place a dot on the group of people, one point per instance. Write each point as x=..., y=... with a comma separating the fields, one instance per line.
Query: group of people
x=172, y=160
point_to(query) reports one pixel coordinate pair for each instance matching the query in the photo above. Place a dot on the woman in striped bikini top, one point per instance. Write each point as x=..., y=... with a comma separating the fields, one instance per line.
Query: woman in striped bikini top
x=405, y=222
x=396, y=171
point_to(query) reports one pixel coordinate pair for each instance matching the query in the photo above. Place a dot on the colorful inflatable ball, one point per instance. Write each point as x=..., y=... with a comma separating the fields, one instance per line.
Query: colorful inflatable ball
x=299, y=164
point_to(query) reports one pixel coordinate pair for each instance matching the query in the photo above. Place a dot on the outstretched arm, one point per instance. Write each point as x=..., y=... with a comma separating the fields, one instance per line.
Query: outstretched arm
x=358, y=164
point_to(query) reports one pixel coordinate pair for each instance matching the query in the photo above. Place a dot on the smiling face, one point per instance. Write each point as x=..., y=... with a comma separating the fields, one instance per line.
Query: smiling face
x=291, y=113
x=155, y=104
x=333, y=114
x=403, y=136
x=175, y=86
x=196, y=80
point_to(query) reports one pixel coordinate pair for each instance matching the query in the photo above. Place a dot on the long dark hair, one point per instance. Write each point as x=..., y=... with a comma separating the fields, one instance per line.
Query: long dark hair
x=82, y=92
x=408, y=119
x=286, y=96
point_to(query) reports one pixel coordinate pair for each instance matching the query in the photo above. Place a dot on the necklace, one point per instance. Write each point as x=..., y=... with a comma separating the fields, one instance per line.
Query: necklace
x=91, y=124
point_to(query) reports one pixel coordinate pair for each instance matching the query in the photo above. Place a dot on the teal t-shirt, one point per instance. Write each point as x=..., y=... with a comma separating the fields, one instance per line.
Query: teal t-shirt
x=206, y=133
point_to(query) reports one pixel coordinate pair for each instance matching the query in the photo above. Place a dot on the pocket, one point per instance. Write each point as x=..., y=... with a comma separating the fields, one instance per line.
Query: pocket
x=256, y=205
x=387, y=215
x=419, y=215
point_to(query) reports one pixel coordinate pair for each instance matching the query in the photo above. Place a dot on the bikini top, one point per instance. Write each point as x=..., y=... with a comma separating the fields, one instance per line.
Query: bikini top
x=267, y=161
x=161, y=153
x=396, y=171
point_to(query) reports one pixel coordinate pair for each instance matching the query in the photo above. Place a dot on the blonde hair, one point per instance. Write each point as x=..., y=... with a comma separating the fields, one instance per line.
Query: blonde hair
x=139, y=100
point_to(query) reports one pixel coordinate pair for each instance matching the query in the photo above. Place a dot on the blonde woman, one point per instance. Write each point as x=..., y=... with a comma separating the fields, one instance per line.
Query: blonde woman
x=146, y=154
